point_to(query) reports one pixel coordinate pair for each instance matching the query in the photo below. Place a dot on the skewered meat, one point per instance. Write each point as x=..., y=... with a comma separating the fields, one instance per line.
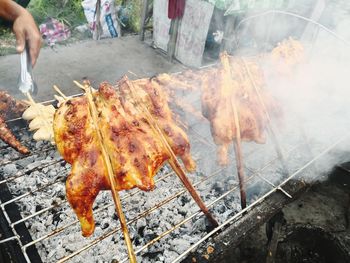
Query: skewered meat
x=287, y=55
x=41, y=119
x=7, y=136
x=187, y=80
x=135, y=151
x=244, y=90
x=10, y=109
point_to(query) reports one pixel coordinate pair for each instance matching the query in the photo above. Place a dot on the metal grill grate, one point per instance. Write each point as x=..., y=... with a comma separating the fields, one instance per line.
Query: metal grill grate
x=256, y=175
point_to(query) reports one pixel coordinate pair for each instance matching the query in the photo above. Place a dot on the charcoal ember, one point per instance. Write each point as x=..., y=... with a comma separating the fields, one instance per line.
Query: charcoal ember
x=149, y=234
x=153, y=222
x=10, y=169
x=51, y=254
x=7, y=157
x=25, y=137
x=219, y=186
x=141, y=224
x=182, y=210
x=179, y=245
x=55, y=155
x=232, y=182
x=34, y=165
x=73, y=246
x=105, y=223
x=199, y=226
x=221, y=208
x=165, y=225
x=39, y=144
x=51, y=173
x=184, y=199
x=60, y=252
x=170, y=255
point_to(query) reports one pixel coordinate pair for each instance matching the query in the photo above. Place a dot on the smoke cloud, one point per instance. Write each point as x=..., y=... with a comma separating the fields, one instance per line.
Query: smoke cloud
x=315, y=96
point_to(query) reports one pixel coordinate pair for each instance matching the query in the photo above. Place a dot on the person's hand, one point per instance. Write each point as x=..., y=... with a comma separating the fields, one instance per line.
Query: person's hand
x=27, y=32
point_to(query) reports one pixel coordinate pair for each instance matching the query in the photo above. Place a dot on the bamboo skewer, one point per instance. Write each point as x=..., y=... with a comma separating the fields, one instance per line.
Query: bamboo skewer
x=174, y=163
x=269, y=121
x=237, y=140
x=60, y=92
x=30, y=98
x=239, y=160
x=240, y=166
x=106, y=158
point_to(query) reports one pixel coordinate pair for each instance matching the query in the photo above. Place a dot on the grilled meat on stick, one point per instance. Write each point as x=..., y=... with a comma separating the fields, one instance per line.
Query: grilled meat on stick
x=135, y=153
x=7, y=136
x=234, y=102
x=10, y=109
x=218, y=98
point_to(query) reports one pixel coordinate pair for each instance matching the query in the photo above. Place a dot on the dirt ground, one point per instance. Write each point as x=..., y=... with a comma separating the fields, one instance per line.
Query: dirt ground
x=104, y=60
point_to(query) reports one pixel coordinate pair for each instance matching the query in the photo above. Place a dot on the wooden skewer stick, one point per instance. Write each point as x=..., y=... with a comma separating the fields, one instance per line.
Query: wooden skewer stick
x=174, y=163
x=132, y=73
x=240, y=167
x=239, y=158
x=110, y=171
x=269, y=121
x=60, y=92
x=30, y=98
x=237, y=140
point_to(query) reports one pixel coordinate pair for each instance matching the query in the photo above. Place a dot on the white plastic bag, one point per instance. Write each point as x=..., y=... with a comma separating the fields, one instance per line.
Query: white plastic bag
x=101, y=16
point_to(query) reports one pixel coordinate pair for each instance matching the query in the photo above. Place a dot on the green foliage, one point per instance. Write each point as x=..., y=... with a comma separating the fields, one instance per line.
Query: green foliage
x=7, y=41
x=68, y=11
x=135, y=15
x=132, y=8
x=71, y=11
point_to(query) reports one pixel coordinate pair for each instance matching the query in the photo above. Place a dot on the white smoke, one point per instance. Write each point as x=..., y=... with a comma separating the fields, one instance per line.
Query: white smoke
x=316, y=97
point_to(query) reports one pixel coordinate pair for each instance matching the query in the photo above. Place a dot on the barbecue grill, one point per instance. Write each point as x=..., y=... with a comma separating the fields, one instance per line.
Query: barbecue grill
x=37, y=223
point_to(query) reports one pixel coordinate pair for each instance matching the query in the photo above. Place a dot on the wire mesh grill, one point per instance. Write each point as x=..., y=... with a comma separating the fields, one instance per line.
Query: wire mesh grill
x=260, y=163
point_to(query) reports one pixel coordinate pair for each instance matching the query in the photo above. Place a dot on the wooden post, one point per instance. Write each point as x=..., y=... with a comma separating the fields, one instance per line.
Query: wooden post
x=229, y=41
x=174, y=26
x=144, y=15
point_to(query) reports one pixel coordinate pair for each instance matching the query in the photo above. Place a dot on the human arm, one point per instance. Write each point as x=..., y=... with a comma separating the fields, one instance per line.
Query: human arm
x=24, y=27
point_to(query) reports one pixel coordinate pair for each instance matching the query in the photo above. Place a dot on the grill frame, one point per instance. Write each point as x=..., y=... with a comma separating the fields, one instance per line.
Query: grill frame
x=5, y=203
x=24, y=248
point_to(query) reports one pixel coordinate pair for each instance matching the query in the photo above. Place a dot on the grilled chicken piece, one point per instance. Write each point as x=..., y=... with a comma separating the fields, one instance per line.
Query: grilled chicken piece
x=188, y=80
x=218, y=98
x=286, y=56
x=7, y=136
x=135, y=151
x=10, y=109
